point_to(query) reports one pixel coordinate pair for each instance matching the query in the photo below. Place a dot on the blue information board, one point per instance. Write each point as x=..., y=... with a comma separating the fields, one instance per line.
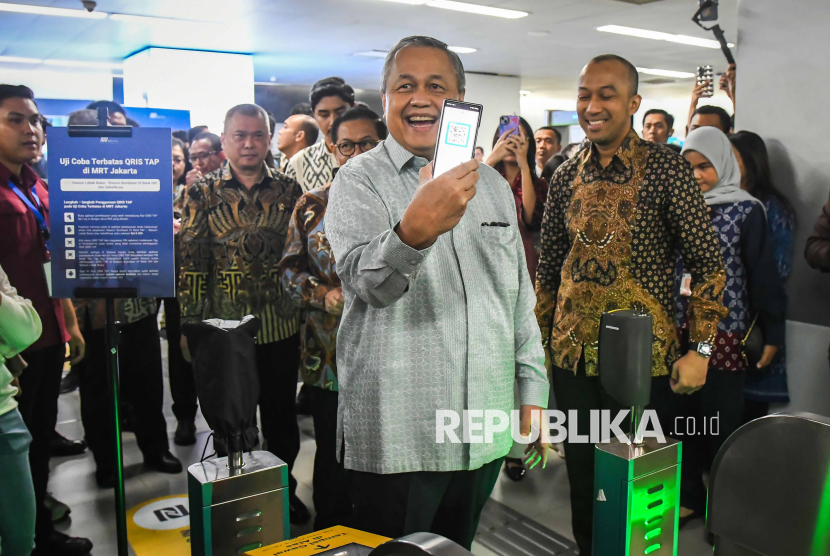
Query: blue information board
x=111, y=212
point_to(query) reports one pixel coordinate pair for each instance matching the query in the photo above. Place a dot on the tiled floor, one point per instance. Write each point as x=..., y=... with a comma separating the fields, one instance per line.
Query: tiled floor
x=542, y=496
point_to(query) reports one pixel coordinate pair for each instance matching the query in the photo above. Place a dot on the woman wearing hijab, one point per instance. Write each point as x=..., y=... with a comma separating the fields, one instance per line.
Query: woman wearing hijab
x=753, y=289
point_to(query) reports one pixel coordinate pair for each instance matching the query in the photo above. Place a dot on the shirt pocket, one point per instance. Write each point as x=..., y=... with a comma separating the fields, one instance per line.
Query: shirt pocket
x=14, y=223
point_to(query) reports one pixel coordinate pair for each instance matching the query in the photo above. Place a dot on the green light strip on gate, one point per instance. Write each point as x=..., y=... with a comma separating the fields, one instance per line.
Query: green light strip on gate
x=821, y=535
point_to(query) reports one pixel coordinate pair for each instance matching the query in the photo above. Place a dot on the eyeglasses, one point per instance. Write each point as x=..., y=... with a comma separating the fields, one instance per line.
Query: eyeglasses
x=347, y=148
x=196, y=157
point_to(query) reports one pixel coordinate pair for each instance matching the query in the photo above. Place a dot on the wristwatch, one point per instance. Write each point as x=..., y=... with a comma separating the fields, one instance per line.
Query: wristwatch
x=702, y=348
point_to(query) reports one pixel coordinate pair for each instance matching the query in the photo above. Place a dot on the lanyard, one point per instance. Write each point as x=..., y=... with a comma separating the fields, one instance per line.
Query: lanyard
x=41, y=221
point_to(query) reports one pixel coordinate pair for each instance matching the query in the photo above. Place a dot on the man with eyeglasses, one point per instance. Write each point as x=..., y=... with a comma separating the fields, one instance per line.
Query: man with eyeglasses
x=205, y=156
x=308, y=273
x=312, y=167
x=234, y=225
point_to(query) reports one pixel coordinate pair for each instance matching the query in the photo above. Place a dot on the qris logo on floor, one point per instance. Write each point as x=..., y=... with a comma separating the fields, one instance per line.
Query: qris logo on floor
x=166, y=514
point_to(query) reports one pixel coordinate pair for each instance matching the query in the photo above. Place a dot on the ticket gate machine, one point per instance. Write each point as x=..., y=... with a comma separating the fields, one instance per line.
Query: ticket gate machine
x=636, y=483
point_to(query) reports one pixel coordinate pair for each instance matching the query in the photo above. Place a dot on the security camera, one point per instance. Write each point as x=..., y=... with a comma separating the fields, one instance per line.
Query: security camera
x=89, y=5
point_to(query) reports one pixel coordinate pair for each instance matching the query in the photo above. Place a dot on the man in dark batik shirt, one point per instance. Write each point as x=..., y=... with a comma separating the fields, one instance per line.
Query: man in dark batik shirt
x=615, y=213
x=234, y=225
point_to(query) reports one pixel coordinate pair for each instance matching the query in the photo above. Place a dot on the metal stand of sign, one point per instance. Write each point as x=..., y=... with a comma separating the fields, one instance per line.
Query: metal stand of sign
x=110, y=295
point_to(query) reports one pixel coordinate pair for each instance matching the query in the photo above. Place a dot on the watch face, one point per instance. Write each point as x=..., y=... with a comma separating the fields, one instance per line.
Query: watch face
x=704, y=349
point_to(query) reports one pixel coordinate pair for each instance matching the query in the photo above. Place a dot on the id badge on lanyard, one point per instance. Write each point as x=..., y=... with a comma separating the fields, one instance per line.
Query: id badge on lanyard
x=38, y=213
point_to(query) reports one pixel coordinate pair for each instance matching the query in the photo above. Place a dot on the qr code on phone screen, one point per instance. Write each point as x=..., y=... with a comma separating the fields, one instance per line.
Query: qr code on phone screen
x=458, y=134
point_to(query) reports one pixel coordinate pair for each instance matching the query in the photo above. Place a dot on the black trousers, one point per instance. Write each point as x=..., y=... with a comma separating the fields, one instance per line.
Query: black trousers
x=583, y=394
x=445, y=503
x=277, y=365
x=182, y=382
x=141, y=380
x=332, y=499
x=703, y=421
x=41, y=385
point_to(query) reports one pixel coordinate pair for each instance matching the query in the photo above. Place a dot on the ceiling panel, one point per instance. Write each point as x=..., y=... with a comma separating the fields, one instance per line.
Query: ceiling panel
x=298, y=41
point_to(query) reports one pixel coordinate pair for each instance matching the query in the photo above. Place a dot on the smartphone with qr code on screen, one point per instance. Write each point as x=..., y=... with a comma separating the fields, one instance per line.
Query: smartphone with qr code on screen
x=457, y=135
x=508, y=123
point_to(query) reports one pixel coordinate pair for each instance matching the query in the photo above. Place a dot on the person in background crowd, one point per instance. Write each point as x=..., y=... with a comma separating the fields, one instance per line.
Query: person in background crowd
x=658, y=126
x=548, y=143
x=727, y=84
x=479, y=154
x=551, y=165
x=181, y=135
x=39, y=165
x=24, y=203
x=711, y=116
x=115, y=112
x=309, y=276
x=193, y=132
x=570, y=150
x=205, y=156
x=769, y=385
x=181, y=166
x=20, y=327
x=312, y=166
x=387, y=221
x=303, y=108
x=614, y=216
x=142, y=381
x=817, y=251
x=753, y=287
x=514, y=156
x=219, y=241
x=299, y=132
x=131, y=122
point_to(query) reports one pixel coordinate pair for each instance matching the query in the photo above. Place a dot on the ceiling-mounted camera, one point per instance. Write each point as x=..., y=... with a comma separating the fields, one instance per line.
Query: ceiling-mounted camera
x=708, y=11
x=89, y=5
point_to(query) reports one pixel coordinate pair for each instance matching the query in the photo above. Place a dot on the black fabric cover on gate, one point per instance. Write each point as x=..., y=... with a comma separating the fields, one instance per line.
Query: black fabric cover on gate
x=224, y=366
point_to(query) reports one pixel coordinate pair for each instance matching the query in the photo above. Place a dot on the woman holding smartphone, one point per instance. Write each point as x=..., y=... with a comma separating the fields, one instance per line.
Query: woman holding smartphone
x=513, y=156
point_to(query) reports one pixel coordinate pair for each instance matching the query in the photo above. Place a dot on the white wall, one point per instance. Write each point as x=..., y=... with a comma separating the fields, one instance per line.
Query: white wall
x=206, y=83
x=65, y=85
x=782, y=81
x=499, y=96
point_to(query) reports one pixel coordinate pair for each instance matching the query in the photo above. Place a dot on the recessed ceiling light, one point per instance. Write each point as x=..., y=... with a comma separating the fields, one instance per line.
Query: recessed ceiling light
x=372, y=54
x=658, y=36
x=46, y=10
x=464, y=7
x=666, y=73
x=82, y=64
x=524, y=93
x=462, y=49
x=19, y=60
x=538, y=33
x=273, y=79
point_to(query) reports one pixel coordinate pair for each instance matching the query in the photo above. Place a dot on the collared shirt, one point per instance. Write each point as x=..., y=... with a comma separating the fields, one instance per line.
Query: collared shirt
x=312, y=167
x=281, y=161
x=608, y=242
x=309, y=273
x=450, y=327
x=23, y=253
x=232, y=240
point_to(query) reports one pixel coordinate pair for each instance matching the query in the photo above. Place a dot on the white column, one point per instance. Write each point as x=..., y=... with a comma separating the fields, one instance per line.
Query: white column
x=206, y=83
x=500, y=97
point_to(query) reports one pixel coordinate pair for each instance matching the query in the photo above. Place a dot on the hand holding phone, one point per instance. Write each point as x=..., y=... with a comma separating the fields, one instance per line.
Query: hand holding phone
x=438, y=204
x=508, y=125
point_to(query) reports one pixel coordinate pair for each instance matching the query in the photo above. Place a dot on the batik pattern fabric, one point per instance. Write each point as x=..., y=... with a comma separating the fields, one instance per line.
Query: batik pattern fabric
x=127, y=311
x=608, y=242
x=232, y=241
x=727, y=220
x=308, y=273
x=770, y=385
x=312, y=167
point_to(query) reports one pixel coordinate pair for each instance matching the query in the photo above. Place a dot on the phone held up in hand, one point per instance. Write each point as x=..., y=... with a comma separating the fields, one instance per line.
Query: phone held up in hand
x=457, y=135
x=508, y=123
x=704, y=74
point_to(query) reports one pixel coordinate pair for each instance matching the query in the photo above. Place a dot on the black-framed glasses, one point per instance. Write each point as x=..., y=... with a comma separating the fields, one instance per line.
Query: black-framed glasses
x=347, y=147
x=195, y=157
